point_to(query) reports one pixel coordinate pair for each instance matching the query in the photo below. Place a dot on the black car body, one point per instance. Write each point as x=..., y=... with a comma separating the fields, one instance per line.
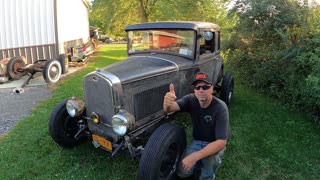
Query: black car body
x=123, y=102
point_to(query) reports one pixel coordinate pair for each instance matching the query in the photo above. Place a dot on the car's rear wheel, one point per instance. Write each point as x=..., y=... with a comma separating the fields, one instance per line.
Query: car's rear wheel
x=227, y=88
x=162, y=152
x=63, y=128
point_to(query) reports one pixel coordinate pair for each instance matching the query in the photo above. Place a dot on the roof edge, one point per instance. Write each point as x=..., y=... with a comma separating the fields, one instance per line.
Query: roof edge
x=174, y=25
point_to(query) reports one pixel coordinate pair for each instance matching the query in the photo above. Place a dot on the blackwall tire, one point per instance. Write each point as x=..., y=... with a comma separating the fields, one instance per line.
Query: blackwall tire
x=227, y=88
x=52, y=71
x=13, y=68
x=162, y=152
x=62, y=127
x=63, y=59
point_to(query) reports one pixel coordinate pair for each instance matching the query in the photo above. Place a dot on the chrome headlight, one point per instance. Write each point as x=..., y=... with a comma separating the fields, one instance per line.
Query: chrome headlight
x=75, y=107
x=122, y=122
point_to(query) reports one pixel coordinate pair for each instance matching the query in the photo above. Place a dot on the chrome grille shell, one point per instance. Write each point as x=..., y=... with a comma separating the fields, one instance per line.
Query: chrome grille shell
x=103, y=96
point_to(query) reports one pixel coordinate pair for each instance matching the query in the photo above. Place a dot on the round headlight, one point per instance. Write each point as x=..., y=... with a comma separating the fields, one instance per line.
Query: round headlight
x=119, y=124
x=75, y=107
x=71, y=108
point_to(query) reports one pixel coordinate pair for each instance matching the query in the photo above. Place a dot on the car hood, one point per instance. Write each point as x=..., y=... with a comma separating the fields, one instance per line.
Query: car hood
x=140, y=67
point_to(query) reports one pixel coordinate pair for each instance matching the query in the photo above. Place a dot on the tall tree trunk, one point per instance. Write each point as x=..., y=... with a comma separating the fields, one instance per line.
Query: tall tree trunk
x=142, y=10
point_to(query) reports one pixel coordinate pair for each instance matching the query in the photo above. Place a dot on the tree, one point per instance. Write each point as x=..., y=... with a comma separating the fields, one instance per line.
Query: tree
x=113, y=16
x=145, y=8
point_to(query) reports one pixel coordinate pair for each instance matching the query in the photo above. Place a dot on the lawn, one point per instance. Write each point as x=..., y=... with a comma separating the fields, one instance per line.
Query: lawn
x=268, y=140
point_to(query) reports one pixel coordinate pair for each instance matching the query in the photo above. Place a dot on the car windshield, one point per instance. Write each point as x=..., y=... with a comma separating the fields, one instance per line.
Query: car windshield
x=180, y=42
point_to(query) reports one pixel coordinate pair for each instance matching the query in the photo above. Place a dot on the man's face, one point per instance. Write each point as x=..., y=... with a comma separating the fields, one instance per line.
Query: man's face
x=201, y=92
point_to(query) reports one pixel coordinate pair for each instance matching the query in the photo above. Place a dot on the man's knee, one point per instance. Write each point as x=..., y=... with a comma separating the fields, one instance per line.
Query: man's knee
x=214, y=159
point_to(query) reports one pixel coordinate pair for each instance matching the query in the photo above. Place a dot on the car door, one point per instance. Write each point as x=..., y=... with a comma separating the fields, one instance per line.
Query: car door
x=207, y=51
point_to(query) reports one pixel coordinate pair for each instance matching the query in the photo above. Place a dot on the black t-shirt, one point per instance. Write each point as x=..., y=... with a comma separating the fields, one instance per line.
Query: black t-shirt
x=209, y=124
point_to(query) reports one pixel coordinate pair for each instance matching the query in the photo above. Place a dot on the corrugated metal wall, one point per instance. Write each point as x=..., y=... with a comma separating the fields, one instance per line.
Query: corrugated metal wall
x=27, y=29
x=41, y=29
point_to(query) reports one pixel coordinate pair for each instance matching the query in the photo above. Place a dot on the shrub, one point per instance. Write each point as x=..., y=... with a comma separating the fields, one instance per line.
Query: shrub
x=277, y=51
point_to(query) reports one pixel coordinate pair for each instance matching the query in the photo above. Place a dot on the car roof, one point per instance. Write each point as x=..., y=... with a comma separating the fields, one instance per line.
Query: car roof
x=174, y=25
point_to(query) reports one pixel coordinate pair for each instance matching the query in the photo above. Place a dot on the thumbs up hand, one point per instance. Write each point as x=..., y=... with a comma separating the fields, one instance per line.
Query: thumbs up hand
x=169, y=102
x=171, y=87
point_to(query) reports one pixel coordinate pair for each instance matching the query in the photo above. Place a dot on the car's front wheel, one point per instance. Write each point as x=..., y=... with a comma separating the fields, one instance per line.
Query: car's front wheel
x=162, y=152
x=64, y=129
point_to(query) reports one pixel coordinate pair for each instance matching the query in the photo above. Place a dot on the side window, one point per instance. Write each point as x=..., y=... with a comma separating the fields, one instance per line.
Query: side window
x=207, y=42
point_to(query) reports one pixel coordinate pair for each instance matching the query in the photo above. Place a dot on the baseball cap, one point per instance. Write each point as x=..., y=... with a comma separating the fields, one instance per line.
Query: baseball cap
x=201, y=76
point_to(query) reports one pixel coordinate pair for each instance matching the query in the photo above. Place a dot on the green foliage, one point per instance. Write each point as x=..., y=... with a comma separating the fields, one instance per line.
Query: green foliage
x=188, y=10
x=275, y=47
x=113, y=16
x=304, y=80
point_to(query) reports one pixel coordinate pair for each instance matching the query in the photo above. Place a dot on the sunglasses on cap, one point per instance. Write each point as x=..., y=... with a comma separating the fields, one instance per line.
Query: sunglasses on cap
x=204, y=87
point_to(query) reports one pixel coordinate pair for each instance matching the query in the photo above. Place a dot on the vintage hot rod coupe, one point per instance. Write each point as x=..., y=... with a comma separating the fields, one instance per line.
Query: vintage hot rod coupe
x=123, y=102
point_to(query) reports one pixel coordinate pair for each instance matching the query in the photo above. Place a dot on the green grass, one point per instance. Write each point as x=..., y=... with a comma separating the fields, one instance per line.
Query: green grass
x=268, y=141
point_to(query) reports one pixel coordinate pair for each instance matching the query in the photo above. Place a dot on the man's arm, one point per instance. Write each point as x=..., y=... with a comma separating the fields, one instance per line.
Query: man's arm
x=169, y=101
x=210, y=149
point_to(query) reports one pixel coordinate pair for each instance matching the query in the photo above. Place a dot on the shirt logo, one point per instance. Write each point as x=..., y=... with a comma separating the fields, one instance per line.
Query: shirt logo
x=207, y=118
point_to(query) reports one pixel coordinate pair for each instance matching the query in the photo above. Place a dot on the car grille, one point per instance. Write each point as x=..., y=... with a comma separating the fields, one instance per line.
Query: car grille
x=149, y=101
x=98, y=97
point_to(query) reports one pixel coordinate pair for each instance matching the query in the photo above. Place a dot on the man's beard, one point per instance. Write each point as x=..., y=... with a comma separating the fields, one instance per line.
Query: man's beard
x=204, y=99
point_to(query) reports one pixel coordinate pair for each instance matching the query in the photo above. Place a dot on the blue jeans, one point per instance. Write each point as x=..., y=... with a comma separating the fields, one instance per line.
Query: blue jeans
x=208, y=165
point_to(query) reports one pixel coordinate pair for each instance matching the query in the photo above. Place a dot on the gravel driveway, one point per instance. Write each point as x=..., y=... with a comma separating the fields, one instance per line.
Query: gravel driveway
x=14, y=107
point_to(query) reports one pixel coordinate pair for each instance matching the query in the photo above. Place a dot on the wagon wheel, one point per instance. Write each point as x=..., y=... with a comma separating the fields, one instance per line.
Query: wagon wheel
x=14, y=68
x=52, y=71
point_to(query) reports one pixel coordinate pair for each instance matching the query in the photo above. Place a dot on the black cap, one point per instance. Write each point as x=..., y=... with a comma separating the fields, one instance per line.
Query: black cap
x=201, y=76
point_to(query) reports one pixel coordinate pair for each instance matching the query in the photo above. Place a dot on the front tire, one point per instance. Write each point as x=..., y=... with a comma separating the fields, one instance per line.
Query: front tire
x=63, y=128
x=162, y=152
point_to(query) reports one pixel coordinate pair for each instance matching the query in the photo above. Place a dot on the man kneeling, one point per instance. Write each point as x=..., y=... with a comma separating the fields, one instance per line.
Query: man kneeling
x=211, y=129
